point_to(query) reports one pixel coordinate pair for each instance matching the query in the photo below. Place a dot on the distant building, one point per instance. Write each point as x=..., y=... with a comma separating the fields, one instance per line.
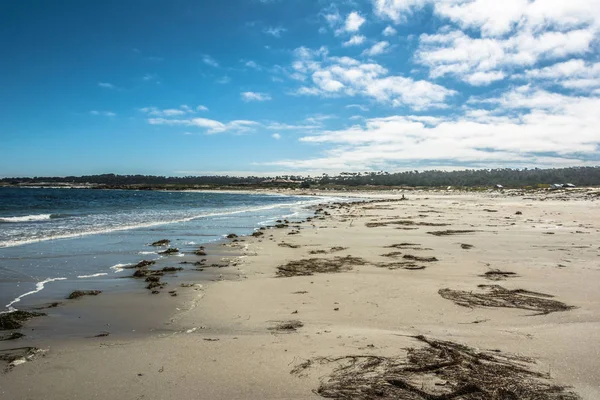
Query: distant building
x=569, y=185
x=498, y=186
x=555, y=186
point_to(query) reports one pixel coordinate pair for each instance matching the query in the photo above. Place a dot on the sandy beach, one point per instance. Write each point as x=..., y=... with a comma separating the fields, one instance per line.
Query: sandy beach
x=437, y=296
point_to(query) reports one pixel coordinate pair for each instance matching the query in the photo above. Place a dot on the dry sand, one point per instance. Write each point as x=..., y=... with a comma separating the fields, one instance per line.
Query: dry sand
x=237, y=342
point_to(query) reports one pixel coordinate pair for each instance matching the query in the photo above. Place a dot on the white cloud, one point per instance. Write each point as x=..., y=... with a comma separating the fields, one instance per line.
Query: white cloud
x=353, y=22
x=572, y=74
x=274, y=31
x=209, y=125
x=223, y=80
x=358, y=106
x=486, y=40
x=150, y=77
x=499, y=18
x=106, y=85
x=208, y=60
x=333, y=18
x=455, y=53
x=252, y=64
x=255, y=96
x=103, y=113
x=377, y=48
x=388, y=31
x=397, y=10
x=172, y=112
x=338, y=76
x=484, y=78
x=168, y=112
x=354, y=41
x=276, y=136
x=278, y=126
x=523, y=127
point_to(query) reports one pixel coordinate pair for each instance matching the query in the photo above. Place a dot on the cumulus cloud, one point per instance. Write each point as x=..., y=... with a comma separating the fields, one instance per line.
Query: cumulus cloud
x=345, y=76
x=255, y=96
x=397, y=10
x=457, y=54
x=485, y=40
x=377, y=48
x=276, y=136
x=353, y=22
x=388, y=31
x=525, y=126
x=572, y=74
x=354, y=41
x=202, y=108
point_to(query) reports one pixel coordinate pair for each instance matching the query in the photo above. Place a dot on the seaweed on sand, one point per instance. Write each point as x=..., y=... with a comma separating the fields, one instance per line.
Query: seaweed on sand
x=15, y=319
x=448, y=232
x=498, y=275
x=392, y=254
x=421, y=259
x=311, y=266
x=11, y=356
x=401, y=265
x=439, y=370
x=291, y=246
x=12, y=336
x=287, y=326
x=497, y=296
x=334, y=249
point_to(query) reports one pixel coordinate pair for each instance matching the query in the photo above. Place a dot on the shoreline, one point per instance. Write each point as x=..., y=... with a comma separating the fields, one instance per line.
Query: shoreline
x=374, y=306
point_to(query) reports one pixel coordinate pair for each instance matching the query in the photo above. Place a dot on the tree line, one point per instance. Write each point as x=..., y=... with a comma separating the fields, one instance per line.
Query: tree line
x=580, y=176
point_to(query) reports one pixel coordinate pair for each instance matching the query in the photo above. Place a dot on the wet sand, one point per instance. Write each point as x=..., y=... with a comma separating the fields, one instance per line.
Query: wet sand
x=372, y=298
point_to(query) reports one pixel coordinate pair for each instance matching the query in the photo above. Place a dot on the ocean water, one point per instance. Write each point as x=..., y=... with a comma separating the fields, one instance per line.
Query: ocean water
x=55, y=240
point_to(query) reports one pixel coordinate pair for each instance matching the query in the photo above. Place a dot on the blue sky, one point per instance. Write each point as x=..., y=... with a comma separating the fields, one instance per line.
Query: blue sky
x=296, y=86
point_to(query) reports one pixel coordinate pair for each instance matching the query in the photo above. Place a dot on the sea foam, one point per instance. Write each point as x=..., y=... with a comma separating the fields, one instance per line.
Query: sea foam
x=27, y=218
x=38, y=288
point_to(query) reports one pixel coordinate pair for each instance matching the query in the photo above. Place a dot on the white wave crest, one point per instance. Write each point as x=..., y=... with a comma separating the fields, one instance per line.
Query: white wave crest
x=92, y=276
x=27, y=218
x=119, y=267
x=38, y=288
x=146, y=252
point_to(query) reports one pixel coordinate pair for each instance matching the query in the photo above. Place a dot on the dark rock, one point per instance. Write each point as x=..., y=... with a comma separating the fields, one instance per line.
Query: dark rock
x=170, y=250
x=80, y=293
x=200, y=253
x=171, y=269
x=163, y=242
x=142, y=264
x=232, y=236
